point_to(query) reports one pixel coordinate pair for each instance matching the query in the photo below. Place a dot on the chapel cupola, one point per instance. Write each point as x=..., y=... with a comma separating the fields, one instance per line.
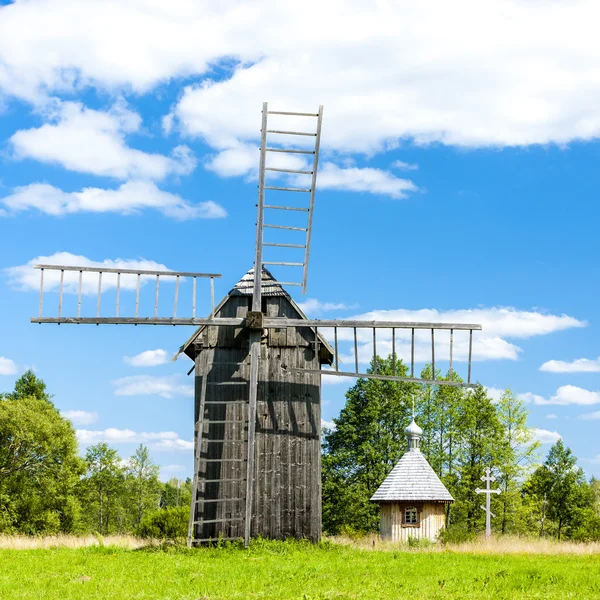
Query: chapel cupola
x=413, y=433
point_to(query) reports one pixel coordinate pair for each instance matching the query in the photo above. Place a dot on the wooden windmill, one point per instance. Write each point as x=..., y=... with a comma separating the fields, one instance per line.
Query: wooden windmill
x=258, y=361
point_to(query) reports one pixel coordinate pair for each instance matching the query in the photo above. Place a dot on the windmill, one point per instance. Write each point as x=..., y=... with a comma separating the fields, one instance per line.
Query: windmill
x=257, y=348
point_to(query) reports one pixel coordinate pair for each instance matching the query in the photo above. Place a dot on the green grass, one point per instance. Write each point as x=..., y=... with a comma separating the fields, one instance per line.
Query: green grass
x=291, y=570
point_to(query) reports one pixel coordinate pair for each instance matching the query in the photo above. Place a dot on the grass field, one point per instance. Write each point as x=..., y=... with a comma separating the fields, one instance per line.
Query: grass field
x=295, y=570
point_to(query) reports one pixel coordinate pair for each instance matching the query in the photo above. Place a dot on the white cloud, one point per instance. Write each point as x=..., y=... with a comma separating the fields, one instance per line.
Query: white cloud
x=552, y=416
x=488, y=344
x=530, y=397
x=7, y=366
x=91, y=141
x=162, y=440
x=569, y=395
x=354, y=179
x=590, y=416
x=130, y=198
x=328, y=424
x=167, y=386
x=465, y=73
x=495, y=393
x=169, y=471
x=148, y=358
x=80, y=417
x=496, y=321
x=581, y=365
x=26, y=278
x=404, y=166
x=546, y=437
x=312, y=306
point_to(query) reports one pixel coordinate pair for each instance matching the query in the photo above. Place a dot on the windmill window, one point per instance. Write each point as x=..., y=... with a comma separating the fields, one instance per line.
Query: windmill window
x=410, y=515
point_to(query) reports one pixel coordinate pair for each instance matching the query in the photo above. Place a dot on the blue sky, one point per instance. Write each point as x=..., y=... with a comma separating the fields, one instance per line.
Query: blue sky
x=458, y=181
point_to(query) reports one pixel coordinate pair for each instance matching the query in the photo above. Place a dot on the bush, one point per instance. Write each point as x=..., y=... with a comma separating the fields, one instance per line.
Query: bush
x=166, y=523
x=456, y=535
x=415, y=542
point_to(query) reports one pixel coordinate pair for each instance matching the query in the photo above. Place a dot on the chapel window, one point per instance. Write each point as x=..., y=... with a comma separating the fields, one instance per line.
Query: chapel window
x=410, y=515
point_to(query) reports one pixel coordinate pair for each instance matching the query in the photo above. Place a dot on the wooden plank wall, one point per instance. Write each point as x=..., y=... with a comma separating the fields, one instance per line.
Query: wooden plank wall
x=287, y=490
x=432, y=517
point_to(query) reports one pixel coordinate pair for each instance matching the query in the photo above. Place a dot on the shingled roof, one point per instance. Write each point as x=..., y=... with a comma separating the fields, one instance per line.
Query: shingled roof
x=412, y=479
x=269, y=287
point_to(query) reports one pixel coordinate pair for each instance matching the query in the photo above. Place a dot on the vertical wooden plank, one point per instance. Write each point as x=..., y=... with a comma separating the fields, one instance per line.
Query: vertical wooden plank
x=176, y=296
x=254, y=366
x=60, y=292
x=137, y=296
x=99, y=293
x=156, y=298
x=118, y=293
x=41, y=290
x=79, y=294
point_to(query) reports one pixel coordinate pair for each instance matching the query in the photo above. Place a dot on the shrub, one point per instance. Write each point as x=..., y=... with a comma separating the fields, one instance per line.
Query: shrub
x=166, y=523
x=415, y=542
x=456, y=535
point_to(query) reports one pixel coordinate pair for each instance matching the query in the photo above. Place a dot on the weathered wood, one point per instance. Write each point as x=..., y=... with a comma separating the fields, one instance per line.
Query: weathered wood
x=124, y=271
x=287, y=500
x=431, y=519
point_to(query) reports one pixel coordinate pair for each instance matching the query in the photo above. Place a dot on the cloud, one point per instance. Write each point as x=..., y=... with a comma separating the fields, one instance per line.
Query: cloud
x=590, y=416
x=162, y=440
x=312, y=306
x=80, y=417
x=26, y=278
x=489, y=344
x=463, y=73
x=148, y=358
x=581, y=365
x=494, y=393
x=545, y=437
x=167, y=472
x=568, y=395
x=130, y=198
x=553, y=416
x=496, y=321
x=90, y=141
x=7, y=366
x=327, y=424
x=404, y=166
x=167, y=386
x=354, y=179
x=436, y=81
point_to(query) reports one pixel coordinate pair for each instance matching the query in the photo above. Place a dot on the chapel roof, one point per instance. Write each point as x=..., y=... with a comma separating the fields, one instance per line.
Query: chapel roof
x=412, y=479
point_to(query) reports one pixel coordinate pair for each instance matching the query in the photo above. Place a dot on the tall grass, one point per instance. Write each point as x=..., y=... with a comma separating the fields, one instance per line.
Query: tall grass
x=24, y=542
x=495, y=545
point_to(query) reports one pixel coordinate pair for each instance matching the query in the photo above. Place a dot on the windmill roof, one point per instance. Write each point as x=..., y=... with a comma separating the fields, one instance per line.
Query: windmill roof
x=269, y=285
x=412, y=480
x=245, y=287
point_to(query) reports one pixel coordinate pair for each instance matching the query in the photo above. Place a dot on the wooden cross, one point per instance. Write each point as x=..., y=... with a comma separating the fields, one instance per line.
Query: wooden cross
x=488, y=478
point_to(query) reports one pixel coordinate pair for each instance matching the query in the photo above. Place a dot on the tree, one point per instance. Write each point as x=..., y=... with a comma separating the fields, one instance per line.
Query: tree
x=560, y=483
x=477, y=436
x=142, y=475
x=28, y=386
x=39, y=463
x=515, y=454
x=175, y=493
x=367, y=442
x=104, y=485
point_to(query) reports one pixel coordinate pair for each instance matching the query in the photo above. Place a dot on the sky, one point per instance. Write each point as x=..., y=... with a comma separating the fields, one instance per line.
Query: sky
x=457, y=182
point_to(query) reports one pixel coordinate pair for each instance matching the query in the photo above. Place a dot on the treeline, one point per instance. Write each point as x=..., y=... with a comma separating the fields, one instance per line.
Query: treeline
x=47, y=487
x=464, y=431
